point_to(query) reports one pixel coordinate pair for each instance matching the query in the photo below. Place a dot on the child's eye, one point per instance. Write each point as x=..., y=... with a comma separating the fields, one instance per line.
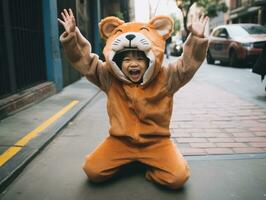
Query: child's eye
x=126, y=59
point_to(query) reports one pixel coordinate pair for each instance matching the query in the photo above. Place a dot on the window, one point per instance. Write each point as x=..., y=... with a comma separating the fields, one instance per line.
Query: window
x=236, y=31
x=216, y=32
x=223, y=33
x=255, y=29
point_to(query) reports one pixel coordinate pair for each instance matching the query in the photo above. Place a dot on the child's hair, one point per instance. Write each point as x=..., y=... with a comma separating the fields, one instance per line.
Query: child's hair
x=118, y=58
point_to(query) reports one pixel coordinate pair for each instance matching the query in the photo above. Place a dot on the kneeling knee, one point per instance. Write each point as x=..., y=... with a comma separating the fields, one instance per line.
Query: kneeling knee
x=173, y=180
x=93, y=173
x=176, y=182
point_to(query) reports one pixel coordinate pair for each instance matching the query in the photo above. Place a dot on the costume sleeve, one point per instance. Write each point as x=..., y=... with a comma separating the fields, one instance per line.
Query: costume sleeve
x=181, y=71
x=78, y=52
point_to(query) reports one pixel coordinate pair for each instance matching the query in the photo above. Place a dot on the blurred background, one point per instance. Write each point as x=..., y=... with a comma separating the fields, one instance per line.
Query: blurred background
x=33, y=66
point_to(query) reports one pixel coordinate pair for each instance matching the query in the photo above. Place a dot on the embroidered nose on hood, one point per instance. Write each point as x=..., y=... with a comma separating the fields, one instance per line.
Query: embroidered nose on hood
x=130, y=37
x=148, y=38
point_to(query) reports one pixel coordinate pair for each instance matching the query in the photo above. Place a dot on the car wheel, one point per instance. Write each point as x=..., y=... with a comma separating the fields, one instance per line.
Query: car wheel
x=210, y=60
x=233, y=61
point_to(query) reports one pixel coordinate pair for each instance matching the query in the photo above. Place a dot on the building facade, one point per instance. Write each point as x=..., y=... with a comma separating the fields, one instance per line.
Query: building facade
x=247, y=11
x=32, y=64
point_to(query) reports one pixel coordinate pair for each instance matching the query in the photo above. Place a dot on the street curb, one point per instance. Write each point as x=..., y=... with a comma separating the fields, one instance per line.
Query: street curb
x=28, y=153
x=26, y=98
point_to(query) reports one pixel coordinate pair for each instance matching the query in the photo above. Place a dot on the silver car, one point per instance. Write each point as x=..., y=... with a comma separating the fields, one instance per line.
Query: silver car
x=236, y=44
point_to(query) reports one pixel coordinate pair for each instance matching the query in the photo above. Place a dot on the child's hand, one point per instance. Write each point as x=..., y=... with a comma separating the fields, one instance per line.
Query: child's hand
x=68, y=21
x=197, y=25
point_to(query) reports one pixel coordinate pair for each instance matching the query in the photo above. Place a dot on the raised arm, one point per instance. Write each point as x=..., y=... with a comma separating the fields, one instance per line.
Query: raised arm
x=194, y=52
x=78, y=52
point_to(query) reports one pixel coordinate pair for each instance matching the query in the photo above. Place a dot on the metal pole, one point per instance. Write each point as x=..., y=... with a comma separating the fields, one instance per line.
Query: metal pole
x=51, y=38
x=96, y=17
x=9, y=47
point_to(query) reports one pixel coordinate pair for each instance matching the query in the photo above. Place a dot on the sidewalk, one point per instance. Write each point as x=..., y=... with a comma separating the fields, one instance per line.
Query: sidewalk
x=201, y=126
x=208, y=120
x=25, y=133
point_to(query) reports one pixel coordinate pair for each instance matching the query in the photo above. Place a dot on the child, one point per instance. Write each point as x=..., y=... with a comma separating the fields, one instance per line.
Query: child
x=139, y=93
x=133, y=64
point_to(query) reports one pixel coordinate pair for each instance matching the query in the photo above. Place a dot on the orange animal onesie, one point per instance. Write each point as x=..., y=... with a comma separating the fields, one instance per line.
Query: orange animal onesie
x=139, y=114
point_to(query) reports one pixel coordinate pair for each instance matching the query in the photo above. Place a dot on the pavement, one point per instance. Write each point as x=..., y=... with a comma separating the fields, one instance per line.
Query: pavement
x=222, y=136
x=209, y=120
x=24, y=134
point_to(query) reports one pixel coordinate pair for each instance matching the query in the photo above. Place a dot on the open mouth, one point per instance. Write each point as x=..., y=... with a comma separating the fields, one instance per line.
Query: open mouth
x=134, y=72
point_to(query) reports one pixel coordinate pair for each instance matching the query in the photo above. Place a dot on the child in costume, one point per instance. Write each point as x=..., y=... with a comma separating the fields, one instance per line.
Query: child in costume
x=139, y=93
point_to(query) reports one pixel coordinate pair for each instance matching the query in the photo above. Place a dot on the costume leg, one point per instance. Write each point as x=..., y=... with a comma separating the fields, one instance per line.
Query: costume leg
x=168, y=166
x=106, y=159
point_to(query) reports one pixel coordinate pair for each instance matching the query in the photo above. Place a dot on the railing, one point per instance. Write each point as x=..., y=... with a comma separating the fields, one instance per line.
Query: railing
x=22, y=62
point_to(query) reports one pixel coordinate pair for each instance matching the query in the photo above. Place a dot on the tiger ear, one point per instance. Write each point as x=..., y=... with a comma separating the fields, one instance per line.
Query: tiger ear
x=163, y=24
x=108, y=24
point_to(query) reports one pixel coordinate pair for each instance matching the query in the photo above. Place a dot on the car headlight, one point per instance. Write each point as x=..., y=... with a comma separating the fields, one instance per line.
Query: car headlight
x=248, y=45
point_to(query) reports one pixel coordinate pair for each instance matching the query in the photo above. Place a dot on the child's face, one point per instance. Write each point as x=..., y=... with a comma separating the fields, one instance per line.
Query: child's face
x=134, y=66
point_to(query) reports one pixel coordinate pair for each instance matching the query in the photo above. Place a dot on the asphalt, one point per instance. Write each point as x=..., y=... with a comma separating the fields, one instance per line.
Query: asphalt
x=42, y=171
x=24, y=123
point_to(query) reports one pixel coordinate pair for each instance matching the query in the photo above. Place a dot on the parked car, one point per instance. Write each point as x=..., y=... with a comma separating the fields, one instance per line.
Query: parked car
x=176, y=47
x=236, y=44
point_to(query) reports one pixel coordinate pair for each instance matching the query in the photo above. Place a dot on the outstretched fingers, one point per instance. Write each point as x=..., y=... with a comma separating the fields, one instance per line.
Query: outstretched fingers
x=205, y=20
x=63, y=16
x=202, y=18
x=191, y=19
x=67, y=20
x=70, y=12
x=66, y=13
x=60, y=21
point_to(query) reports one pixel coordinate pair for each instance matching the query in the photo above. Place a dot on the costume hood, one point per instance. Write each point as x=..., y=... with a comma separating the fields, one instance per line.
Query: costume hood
x=147, y=37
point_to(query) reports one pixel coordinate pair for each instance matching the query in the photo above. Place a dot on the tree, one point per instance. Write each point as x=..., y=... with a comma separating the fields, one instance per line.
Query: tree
x=177, y=24
x=210, y=8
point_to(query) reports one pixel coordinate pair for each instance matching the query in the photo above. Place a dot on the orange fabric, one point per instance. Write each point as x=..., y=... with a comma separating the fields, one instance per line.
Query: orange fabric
x=166, y=165
x=139, y=115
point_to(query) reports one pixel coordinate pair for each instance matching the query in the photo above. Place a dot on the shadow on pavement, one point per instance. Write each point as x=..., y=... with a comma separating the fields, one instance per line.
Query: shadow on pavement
x=130, y=171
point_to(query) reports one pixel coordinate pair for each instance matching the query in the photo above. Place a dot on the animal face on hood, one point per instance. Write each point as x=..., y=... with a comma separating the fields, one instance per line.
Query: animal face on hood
x=147, y=37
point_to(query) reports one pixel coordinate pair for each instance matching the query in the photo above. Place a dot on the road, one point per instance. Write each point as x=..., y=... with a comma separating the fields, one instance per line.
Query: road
x=239, y=81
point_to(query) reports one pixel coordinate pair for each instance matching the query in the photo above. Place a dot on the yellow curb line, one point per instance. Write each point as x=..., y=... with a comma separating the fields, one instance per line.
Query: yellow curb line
x=10, y=152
